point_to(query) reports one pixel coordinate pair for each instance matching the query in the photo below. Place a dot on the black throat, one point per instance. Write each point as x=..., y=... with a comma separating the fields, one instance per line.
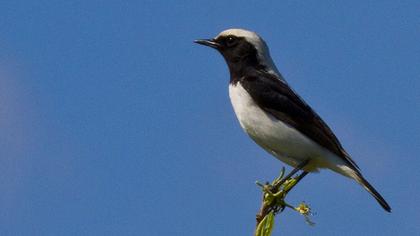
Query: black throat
x=242, y=60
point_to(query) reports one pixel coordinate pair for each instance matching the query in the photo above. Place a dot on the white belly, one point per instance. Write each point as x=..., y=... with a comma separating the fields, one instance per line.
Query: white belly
x=276, y=137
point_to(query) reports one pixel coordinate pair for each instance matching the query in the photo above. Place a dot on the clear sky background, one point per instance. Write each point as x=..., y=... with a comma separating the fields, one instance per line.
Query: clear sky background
x=114, y=123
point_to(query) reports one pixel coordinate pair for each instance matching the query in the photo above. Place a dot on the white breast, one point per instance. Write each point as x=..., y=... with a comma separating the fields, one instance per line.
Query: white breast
x=276, y=137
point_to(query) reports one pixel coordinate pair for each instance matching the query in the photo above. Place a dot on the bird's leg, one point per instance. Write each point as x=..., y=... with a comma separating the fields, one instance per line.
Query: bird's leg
x=275, y=193
x=294, y=171
x=296, y=180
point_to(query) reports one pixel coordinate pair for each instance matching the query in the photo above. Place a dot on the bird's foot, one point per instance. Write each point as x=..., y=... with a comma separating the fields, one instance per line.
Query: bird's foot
x=274, y=195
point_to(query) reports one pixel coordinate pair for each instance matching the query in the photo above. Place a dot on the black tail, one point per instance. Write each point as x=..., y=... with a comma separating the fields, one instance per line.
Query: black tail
x=373, y=192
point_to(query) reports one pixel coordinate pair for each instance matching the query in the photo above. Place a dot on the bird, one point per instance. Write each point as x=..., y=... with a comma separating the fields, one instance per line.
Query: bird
x=274, y=116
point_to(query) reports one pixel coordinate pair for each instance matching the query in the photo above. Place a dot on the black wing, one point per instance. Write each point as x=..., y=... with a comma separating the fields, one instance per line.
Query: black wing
x=278, y=99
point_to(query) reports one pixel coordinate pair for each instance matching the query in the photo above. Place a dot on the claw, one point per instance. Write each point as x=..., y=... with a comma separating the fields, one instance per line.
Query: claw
x=274, y=195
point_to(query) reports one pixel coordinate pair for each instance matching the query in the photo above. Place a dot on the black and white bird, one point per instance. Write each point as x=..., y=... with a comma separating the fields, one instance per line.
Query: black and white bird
x=274, y=116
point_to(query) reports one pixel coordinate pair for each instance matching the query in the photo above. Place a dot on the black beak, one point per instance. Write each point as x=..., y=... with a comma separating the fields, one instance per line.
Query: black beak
x=208, y=42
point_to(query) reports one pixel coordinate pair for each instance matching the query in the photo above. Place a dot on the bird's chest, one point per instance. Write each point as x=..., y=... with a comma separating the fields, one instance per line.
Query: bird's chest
x=251, y=117
x=273, y=135
x=256, y=122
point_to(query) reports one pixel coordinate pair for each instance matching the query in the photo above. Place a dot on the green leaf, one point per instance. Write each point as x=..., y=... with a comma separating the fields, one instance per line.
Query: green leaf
x=265, y=227
x=289, y=184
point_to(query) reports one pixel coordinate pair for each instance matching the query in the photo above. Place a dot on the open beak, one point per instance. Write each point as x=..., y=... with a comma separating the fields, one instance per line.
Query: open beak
x=208, y=42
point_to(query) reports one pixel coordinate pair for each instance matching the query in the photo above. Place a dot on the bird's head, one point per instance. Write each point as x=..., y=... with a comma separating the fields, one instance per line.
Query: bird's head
x=241, y=49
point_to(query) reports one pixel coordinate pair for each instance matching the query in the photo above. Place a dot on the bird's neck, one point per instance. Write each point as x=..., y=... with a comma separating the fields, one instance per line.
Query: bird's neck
x=239, y=69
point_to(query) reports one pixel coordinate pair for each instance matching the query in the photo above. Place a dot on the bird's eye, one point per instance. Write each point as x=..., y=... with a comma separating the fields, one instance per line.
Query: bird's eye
x=230, y=41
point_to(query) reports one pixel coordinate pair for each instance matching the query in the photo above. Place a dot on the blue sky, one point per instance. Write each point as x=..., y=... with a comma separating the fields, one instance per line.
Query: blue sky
x=114, y=123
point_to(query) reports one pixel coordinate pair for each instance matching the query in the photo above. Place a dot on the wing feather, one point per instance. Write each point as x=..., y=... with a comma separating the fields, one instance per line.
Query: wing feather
x=276, y=97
